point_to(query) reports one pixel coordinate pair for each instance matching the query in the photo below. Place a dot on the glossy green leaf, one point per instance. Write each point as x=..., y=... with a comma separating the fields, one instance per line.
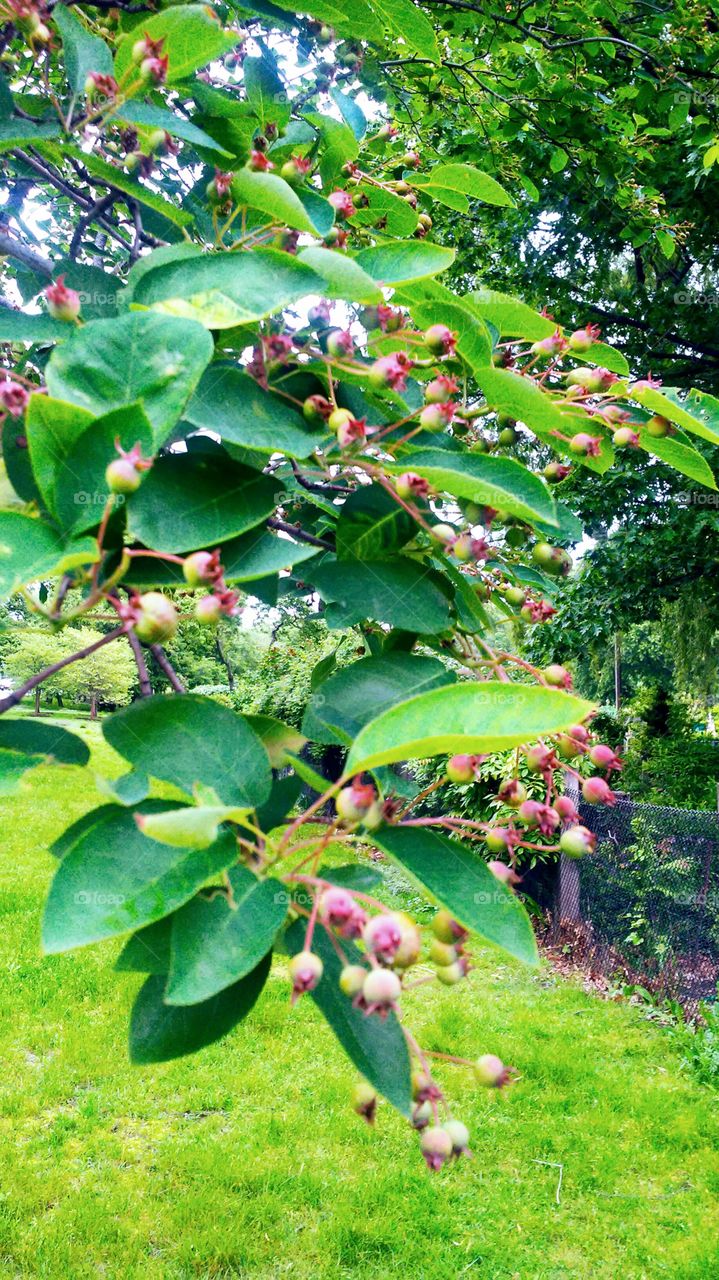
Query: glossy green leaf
x=52, y=427
x=250, y=557
x=194, y=500
x=372, y=524
x=192, y=37
x=273, y=197
x=343, y=277
x=80, y=491
x=82, y=52
x=502, y=483
x=396, y=590
x=189, y=739
x=129, y=789
x=233, y=405
x=387, y=212
x=160, y=1032
x=521, y=398
x=22, y=133
x=216, y=942
x=148, y=950
x=24, y=745
x=118, y=178
x=474, y=343
x=148, y=116
x=666, y=407
x=277, y=738
x=115, y=879
x=353, y=115
x=466, y=180
x=194, y=827
x=398, y=263
x=459, y=879
x=510, y=316
x=470, y=717
x=30, y=549
x=411, y=24
x=265, y=91
x=17, y=326
x=342, y=705
x=156, y=360
x=222, y=290
x=377, y=1048
x=681, y=457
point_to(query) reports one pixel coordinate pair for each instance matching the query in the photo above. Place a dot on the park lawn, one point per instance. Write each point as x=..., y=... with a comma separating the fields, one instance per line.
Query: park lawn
x=246, y=1160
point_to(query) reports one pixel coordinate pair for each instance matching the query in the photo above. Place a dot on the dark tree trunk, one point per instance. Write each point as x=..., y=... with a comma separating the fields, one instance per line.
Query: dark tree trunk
x=93, y=706
x=37, y=701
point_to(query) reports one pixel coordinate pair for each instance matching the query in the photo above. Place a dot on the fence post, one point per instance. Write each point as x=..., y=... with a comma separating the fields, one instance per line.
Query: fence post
x=568, y=897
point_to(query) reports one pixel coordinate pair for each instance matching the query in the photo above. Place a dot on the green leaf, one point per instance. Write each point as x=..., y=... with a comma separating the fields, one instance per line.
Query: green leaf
x=116, y=177
x=234, y=406
x=265, y=91
x=278, y=738
x=20, y=133
x=222, y=290
x=377, y=1047
x=273, y=197
x=353, y=875
x=283, y=797
x=522, y=399
x=558, y=160
x=115, y=879
x=466, y=180
x=474, y=343
x=343, y=277
x=513, y=318
x=80, y=491
x=160, y=1032
x=30, y=549
x=338, y=145
x=477, y=718
x=23, y=746
x=189, y=739
x=681, y=457
x=502, y=483
x=17, y=326
x=411, y=24
x=396, y=590
x=387, y=212
x=372, y=524
x=148, y=116
x=129, y=789
x=195, y=827
x=82, y=52
x=659, y=402
x=215, y=943
x=353, y=115
x=342, y=705
x=193, y=500
x=156, y=360
x=52, y=427
x=471, y=615
x=47, y=740
x=252, y=556
x=192, y=38
x=460, y=880
x=398, y=263
x=607, y=357
x=148, y=950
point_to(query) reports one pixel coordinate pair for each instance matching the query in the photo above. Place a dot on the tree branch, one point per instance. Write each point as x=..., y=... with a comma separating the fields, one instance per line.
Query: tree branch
x=17, y=695
x=142, y=672
x=12, y=248
x=299, y=533
x=166, y=666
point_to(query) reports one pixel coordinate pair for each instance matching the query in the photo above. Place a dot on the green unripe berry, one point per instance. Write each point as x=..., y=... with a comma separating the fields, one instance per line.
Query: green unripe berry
x=121, y=476
x=157, y=618
x=442, y=953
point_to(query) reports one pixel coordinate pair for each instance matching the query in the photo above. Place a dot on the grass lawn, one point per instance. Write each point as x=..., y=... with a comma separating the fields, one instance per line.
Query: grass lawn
x=246, y=1161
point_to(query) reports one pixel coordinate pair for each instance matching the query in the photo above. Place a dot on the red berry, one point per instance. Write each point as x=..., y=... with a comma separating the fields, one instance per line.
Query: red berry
x=597, y=791
x=62, y=303
x=306, y=969
x=604, y=757
x=336, y=906
x=436, y=1146
x=382, y=937
x=462, y=768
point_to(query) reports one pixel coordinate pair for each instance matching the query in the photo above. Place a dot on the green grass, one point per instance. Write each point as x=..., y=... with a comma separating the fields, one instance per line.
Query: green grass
x=246, y=1160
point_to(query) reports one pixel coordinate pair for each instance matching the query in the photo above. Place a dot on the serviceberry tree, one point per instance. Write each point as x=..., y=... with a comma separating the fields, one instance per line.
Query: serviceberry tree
x=245, y=375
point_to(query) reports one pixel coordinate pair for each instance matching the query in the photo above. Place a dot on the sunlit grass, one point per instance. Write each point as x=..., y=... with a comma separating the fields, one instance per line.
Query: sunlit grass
x=246, y=1161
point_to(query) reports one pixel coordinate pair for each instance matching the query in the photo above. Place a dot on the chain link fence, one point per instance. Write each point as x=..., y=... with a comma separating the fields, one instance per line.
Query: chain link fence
x=645, y=905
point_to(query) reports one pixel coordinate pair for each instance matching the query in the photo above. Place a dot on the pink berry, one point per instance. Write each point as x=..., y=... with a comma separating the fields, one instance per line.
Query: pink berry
x=336, y=906
x=577, y=841
x=597, y=791
x=436, y=1147
x=382, y=988
x=305, y=971
x=382, y=937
